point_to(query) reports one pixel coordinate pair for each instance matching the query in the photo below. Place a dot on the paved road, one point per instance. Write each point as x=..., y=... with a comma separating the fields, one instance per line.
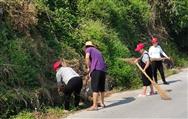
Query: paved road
x=128, y=105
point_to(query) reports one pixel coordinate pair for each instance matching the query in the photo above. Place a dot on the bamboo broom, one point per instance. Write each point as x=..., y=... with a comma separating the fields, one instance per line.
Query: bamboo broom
x=163, y=94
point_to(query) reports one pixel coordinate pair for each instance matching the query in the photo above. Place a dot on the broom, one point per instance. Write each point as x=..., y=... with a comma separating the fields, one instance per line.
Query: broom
x=161, y=92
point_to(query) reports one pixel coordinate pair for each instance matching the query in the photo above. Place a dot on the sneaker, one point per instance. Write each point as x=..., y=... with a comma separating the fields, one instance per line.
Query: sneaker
x=150, y=93
x=141, y=95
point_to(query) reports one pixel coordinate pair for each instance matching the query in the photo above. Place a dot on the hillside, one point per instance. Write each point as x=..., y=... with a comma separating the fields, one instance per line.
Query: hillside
x=34, y=33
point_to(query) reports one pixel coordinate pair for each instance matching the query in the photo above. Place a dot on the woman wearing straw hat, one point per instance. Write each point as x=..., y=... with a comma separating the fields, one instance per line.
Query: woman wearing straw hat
x=97, y=70
x=72, y=83
x=155, y=52
x=144, y=62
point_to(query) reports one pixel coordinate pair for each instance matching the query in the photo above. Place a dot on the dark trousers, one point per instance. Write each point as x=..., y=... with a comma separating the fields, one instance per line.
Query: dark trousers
x=157, y=65
x=74, y=86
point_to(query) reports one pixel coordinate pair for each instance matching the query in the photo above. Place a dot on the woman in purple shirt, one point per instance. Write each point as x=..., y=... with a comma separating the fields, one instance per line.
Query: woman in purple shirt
x=97, y=69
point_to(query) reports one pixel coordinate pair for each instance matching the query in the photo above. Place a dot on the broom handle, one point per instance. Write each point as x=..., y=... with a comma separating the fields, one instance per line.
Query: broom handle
x=145, y=73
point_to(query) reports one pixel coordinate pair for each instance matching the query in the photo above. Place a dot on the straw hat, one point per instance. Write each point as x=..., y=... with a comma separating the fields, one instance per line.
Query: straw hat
x=89, y=43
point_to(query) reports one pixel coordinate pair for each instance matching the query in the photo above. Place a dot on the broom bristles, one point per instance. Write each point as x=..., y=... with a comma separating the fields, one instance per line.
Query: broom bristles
x=161, y=92
x=128, y=60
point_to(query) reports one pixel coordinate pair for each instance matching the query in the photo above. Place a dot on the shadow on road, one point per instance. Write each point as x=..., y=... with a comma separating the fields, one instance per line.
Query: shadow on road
x=173, y=81
x=168, y=90
x=120, y=102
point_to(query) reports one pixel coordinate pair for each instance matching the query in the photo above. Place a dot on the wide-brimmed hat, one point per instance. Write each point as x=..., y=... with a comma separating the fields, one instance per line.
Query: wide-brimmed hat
x=139, y=47
x=89, y=43
x=154, y=40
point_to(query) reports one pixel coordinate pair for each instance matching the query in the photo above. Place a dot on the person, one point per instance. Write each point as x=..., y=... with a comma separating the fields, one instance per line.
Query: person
x=97, y=71
x=155, y=52
x=144, y=62
x=71, y=81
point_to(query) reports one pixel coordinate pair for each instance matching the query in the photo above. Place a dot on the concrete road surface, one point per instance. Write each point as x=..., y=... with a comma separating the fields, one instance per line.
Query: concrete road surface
x=128, y=105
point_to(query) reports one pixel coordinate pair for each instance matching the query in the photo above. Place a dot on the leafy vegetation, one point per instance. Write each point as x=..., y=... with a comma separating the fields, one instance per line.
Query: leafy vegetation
x=34, y=33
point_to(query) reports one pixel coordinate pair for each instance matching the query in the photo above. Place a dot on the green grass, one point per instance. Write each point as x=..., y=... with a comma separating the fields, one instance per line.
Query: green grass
x=24, y=115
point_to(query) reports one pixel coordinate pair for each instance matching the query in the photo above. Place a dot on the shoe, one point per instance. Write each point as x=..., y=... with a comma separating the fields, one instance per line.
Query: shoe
x=150, y=93
x=166, y=83
x=141, y=95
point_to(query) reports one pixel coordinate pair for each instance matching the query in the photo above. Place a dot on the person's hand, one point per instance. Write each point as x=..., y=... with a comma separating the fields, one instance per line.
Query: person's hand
x=163, y=59
x=88, y=78
x=136, y=60
x=59, y=91
x=88, y=70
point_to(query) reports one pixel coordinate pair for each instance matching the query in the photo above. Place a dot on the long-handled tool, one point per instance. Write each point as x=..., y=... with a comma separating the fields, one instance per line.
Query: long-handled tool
x=161, y=92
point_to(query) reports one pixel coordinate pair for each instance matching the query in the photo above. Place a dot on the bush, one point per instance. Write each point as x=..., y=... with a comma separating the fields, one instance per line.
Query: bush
x=46, y=30
x=21, y=14
x=24, y=115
